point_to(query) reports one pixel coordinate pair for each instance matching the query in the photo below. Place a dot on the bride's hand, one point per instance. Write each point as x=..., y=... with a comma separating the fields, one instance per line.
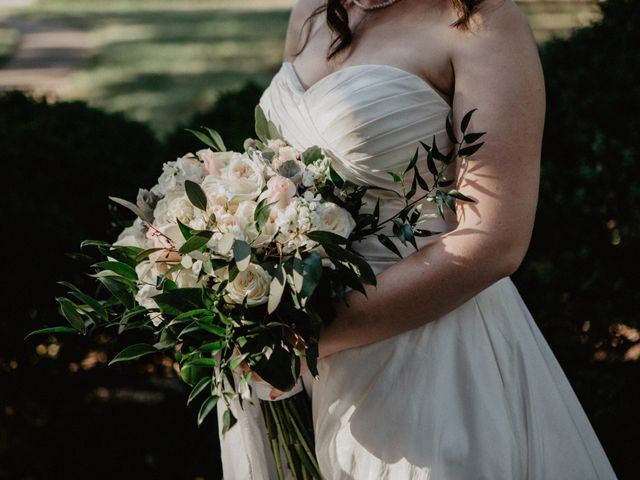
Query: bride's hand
x=275, y=393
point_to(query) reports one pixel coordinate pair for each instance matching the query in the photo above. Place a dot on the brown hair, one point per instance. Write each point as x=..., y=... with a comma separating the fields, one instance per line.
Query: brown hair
x=338, y=22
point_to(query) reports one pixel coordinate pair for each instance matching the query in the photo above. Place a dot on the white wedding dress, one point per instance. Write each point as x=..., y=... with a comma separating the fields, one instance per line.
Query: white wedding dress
x=477, y=394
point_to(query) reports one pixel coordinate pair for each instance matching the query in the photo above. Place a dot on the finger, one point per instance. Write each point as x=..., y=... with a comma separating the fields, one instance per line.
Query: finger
x=256, y=376
x=275, y=393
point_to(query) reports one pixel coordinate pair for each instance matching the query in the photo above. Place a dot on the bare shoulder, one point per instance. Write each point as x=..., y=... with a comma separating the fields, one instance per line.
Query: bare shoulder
x=300, y=12
x=500, y=23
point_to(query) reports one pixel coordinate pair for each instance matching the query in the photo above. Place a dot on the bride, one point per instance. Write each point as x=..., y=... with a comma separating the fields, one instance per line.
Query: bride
x=440, y=372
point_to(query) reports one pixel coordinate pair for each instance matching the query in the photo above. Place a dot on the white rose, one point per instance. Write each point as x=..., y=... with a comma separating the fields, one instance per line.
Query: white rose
x=174, y=205
x=144, y=297
x=175, y=173
x=241, y=179
x=252, y=283
x=133, y=236
x=332, y=218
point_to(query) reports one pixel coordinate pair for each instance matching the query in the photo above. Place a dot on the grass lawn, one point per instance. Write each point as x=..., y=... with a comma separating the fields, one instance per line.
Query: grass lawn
x=162, y=60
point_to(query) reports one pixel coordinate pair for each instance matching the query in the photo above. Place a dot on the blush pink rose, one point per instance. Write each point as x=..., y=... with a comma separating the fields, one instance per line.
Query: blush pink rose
x=281, y=190
x=212, y=161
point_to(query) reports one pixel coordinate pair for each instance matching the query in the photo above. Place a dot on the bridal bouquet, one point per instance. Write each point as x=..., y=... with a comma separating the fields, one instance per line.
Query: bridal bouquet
x=234, y=257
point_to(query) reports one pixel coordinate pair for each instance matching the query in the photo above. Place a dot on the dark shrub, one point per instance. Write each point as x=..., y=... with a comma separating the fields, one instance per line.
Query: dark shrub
x=580, y=277
x=588, y=225
x=232, y=116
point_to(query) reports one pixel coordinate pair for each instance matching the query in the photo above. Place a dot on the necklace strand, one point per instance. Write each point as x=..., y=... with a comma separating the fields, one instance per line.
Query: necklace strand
x=376, y=6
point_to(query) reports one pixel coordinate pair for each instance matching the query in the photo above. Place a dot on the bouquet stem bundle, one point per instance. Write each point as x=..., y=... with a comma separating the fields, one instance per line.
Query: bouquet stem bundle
x=290, y=430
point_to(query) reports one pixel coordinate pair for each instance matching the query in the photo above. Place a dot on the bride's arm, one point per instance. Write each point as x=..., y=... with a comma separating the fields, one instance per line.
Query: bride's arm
x=497, y=69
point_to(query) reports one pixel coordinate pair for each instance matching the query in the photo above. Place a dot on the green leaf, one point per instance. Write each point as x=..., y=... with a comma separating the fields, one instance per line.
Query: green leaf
x=185, y=230
x=324, y=237
x=451, y=203
x=337, y=180
x=413, y=162
x=118, y=289
x=228, y=421
x=94, y=243
x=466, y=119
x=396, y=178
x=143, y=255
x=43, y=331
x=449, y=128
x=195, y=194
x=201, y=362
x=460, y=196
x=364, y=269
x=261, y=214
x=431, y=164
x=200, y=386
x=311, y=154
x=241, y=254
x=216, y=139
x=132, y=352
x=196, y=241
x=70, y=312
x=439, y=203
x=206, y=408
x=297, y=272
x=261, y=124
x=95, y=305
x=472, y=137
x=388, y=243
x=311, y=273
x=276, y=289
x=203, y=138
x=120, y=268
x=467, y=151
x=131, y=206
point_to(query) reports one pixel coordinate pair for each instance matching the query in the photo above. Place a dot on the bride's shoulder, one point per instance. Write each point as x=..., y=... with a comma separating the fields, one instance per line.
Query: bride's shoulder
x=497, y=26
x=497, y=19
x=300, y=12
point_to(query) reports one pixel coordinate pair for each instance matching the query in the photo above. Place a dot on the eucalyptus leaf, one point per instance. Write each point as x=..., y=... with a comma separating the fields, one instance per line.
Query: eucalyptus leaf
x=261, y=124
x=131, y=206
x=195, y=194
x=203, y=138
x=241, y=254
x=216, y=139
x=276, y=289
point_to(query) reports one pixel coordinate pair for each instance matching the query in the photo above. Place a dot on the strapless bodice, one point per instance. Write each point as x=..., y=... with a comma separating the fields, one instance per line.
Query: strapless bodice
x=370, y=119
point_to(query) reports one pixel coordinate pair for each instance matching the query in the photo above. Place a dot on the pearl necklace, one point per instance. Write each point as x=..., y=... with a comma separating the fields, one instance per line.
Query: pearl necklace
x=376, y=6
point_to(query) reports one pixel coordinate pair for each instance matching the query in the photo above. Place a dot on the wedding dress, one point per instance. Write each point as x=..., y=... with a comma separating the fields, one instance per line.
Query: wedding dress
x=477, y=394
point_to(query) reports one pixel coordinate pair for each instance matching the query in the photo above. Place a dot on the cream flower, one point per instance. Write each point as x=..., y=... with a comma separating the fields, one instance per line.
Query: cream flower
x=252, y=283
x=332, y=218
x=241, y=179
